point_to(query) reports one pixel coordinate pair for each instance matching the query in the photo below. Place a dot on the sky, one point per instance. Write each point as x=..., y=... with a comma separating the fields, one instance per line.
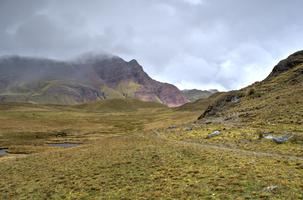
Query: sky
x=203, y=44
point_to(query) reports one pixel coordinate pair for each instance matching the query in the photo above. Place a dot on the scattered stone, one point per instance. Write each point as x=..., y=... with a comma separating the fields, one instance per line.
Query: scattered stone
x=213, y=134
x=278, y=140
x=188, y=129
x=281, y=140
x=268, y=136
x=271, y=189
x=172, y=127
x=235, y=99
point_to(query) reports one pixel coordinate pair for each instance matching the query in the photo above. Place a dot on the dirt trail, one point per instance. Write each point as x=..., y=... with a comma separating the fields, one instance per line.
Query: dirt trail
x=231, y=149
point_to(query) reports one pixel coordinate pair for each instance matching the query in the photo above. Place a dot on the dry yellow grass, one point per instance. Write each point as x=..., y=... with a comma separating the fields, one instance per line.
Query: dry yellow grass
x=121, y=157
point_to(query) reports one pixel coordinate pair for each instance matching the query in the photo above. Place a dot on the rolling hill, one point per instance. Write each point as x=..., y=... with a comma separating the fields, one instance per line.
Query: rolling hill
x=194, y=94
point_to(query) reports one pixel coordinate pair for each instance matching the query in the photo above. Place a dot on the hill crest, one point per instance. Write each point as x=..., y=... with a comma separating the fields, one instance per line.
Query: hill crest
x=276, y=99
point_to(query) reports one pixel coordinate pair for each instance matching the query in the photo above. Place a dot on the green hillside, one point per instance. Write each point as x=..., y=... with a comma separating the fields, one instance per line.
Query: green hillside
x=194, y=95
x=276, y=100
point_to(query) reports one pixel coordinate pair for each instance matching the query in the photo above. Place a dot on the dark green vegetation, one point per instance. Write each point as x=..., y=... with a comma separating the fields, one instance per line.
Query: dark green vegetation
x=137, y=150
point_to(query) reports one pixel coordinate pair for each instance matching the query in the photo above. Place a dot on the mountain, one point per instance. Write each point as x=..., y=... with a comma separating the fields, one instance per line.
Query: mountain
x=276, y=99
x=194, y=94
x=200, y=104
x=47, y=81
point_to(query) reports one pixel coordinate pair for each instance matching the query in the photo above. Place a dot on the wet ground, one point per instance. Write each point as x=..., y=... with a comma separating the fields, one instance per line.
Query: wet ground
x=3, y=152
x=63, y=145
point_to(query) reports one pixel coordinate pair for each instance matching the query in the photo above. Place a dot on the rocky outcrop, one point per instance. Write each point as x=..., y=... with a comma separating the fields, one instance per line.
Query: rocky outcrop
x=286, y=64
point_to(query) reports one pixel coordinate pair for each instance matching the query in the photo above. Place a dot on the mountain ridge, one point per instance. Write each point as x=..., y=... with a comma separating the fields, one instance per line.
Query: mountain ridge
x=195, y=94
x=40, y=80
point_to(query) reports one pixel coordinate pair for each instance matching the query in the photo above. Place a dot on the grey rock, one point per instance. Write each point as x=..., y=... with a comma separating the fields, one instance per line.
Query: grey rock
x=266, y=135
x=235, y=99
x=281, y=140
x=188, y=129
x=213, y=134
x=278, y=140
x=172, y=127
x=272, y=189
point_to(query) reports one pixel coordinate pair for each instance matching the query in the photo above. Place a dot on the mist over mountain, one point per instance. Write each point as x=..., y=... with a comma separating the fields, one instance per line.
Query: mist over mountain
x=88, y=78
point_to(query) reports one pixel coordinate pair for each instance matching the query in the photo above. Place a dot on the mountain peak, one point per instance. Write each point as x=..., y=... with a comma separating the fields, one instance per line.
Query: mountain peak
x=288, y=63
x=89, y=78
x=133, y=62
x=92, y=57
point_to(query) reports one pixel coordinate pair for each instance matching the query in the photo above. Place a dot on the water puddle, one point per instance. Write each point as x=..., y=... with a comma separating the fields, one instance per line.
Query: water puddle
x=63, y=145
x=3, y=152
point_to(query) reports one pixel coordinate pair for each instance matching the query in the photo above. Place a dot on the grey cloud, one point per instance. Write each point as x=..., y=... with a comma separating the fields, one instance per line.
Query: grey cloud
x=192, y=43
x=13, y=12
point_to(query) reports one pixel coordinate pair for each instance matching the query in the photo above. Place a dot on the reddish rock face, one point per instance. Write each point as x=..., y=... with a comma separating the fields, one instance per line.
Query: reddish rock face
x=171, y=95
x=117, y=70
x=81, y=80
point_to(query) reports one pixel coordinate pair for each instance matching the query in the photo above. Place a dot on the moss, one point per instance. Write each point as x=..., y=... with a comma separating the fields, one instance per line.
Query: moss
x=111, y=93
x=128, y=88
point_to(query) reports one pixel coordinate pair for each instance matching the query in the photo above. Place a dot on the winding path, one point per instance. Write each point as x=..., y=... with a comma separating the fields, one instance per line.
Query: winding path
x=224, y=148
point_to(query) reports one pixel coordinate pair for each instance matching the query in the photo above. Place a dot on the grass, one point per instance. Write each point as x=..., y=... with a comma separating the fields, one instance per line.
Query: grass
x=36, y=124
x=132, y=167
x=275, y=101
x=240, y=137
x=128, y=88
x=121, y=157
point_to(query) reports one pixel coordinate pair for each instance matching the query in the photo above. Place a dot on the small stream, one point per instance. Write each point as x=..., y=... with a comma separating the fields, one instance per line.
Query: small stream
x=63, y=145
x=3, y=152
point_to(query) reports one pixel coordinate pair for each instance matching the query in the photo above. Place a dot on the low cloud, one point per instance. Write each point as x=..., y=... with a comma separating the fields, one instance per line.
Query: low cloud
x=224, y=44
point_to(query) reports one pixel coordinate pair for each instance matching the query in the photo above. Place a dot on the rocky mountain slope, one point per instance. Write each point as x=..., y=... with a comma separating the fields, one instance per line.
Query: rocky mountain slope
x=276, y=100
x=194, y=94
x=35, y=80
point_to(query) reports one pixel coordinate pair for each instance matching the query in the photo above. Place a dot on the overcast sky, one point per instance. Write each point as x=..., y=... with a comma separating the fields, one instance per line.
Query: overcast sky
x=223, y=44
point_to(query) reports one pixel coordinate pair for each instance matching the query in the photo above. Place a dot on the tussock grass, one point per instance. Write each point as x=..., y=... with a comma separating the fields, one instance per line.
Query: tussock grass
x=133, y=167
x=120, y=157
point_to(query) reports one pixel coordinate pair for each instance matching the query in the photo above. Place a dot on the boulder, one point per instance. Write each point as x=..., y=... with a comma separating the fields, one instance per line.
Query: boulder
x=281, y=140
x=172, y=127
x=213, y=134
x=188, y=129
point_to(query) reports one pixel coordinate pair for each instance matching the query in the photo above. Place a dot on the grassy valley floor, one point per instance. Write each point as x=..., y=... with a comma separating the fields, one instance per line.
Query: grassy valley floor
x=134, y=155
